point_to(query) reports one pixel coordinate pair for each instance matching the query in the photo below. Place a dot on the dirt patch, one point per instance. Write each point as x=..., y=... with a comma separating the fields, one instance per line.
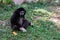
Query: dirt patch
x=55, y=9
x=4, y=23
x=56, y=16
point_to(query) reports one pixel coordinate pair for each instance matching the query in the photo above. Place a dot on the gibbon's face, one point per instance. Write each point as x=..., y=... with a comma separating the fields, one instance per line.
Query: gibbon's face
x=22, y=13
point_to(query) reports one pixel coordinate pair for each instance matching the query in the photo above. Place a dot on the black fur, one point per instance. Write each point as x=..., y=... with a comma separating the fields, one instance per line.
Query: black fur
x=16, y=19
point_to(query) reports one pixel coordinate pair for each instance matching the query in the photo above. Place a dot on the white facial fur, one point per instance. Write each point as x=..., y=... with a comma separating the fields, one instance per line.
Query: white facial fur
x=22, y=13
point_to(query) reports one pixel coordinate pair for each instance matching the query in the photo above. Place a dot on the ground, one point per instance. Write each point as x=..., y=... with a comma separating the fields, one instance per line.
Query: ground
x=41, y=16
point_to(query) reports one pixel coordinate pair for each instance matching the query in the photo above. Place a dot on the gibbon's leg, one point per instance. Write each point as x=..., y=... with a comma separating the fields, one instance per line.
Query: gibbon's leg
x=26, y=24
x=14, y=27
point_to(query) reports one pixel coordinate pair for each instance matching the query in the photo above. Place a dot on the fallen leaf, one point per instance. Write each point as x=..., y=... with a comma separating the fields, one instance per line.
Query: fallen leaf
x=14, y=33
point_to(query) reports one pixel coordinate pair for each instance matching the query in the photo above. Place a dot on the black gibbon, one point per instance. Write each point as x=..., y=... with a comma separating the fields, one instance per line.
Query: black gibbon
x=18, y=21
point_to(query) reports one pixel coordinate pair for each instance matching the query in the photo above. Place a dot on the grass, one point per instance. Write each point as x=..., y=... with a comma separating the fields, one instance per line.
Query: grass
x=42, y=29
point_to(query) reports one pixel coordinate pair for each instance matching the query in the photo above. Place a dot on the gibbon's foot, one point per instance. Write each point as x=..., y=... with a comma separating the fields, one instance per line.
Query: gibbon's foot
x=23, y=29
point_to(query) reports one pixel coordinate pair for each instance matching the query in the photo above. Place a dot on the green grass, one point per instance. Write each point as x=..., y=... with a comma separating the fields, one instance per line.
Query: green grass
x=42, y=29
